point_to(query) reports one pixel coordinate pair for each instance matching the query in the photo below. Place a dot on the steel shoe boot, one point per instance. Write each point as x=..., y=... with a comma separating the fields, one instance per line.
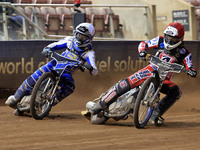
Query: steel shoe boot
x=11, y=102
x=95, y=109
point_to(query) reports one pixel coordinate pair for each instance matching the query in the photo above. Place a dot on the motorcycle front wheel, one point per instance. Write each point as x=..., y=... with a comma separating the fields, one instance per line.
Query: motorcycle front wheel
x=143, y=109
x=41, y=97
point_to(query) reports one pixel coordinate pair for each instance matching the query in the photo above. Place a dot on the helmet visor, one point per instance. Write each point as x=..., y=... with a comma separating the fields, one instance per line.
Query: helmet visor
x=171, y=39
x=81, y=37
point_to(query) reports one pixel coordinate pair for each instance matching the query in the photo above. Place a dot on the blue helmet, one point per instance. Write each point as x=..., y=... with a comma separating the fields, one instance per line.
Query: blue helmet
x=84, y=34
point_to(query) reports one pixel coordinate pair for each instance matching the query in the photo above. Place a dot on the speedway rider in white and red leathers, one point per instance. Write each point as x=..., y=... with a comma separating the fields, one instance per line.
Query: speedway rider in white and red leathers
x=76, y=47
x=171, y=49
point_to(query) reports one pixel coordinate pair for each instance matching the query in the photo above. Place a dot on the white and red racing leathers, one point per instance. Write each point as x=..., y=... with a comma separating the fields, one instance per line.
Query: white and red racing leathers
x=178, y=55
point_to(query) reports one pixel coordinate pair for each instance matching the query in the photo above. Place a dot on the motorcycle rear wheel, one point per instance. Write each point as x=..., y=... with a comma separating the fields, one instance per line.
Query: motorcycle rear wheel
x=142, y=109
x=41, y=97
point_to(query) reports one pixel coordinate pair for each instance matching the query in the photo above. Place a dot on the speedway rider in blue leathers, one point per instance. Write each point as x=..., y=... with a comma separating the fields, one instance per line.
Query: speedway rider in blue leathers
x=77, y=47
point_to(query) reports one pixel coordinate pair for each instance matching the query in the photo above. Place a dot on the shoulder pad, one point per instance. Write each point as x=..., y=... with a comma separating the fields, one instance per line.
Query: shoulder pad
x=183, y=51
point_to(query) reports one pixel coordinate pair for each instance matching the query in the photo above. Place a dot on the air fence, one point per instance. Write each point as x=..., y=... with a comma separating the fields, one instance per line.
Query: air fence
x=19, y=59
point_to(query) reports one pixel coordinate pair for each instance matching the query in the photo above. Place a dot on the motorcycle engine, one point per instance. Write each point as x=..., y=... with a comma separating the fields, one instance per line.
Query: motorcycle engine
x=25, y=101
x=121, y=105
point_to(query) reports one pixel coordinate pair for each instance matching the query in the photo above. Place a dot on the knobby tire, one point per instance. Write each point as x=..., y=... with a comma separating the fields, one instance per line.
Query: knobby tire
x=33, y=106
x=141, y=95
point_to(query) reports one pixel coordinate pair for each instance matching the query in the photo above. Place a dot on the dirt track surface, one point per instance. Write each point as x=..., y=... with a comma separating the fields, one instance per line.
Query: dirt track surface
x=66, y=129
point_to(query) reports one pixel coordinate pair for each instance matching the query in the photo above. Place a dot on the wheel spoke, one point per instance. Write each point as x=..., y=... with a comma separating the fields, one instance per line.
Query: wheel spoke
x=42, y=96
x=143, y=108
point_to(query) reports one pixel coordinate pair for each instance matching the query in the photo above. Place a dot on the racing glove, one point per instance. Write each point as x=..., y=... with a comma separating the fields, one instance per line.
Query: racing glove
x=89, y=67
x=46, y=51
x=142, y=55
x=192, y=72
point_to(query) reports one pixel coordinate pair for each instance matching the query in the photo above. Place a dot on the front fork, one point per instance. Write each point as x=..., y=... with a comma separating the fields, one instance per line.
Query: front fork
x=54, y=91
x=156, y=95
x=154, y=99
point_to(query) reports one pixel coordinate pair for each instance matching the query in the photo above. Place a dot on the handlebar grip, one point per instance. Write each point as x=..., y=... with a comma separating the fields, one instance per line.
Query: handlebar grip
x=88, y=67
x=47, y=52
x=148, y=56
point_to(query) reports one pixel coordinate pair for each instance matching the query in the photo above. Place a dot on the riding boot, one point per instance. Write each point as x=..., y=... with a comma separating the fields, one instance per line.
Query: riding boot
x=173, y=93
x=160, y=109
x=11, y=102
x=27, y=86
x=111, y=96
x=24, y=89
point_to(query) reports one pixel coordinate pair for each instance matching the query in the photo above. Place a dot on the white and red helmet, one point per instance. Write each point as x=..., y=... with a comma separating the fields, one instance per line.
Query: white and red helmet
x=173, y=35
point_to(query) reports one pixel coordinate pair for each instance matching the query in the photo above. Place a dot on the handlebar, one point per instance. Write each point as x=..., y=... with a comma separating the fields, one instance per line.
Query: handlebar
x=61, y=58
x=174, y=67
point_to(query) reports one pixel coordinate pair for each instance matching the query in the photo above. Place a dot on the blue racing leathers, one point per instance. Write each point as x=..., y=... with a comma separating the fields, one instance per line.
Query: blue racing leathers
x=85, y=54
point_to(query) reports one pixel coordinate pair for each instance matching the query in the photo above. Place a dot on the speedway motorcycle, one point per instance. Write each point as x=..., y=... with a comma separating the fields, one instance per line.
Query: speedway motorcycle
x=139, y=102
x=42, y=97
